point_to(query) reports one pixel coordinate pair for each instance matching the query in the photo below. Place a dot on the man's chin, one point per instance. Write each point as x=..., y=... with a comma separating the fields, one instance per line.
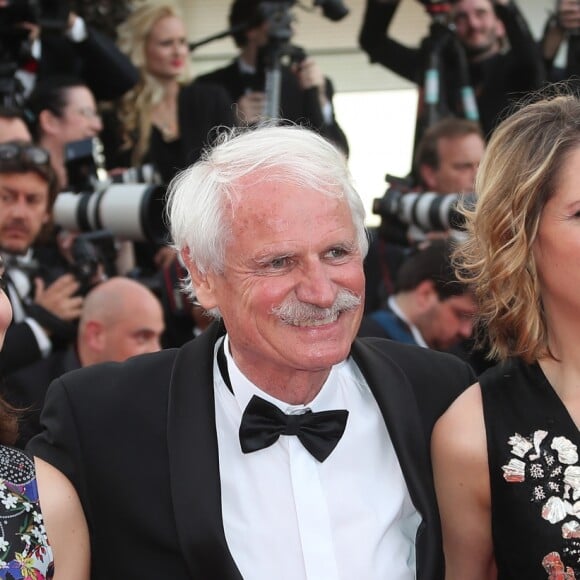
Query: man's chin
x=14, y=249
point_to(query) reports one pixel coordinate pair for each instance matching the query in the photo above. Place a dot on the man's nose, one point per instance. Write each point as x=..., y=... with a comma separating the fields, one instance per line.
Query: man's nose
x=19, y=208
x=466, y=328
x=316, y=286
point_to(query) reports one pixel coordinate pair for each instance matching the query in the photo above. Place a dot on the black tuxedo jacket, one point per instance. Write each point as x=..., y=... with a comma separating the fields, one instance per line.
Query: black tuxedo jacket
x=296, y=105
x=138, y=440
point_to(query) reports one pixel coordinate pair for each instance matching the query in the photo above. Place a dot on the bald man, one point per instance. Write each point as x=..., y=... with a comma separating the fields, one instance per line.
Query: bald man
x=121, y=318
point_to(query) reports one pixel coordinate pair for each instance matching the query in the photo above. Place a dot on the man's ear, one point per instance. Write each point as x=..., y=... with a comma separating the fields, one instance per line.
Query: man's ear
x=48, y=122
x=428, y=176
x=202, y=281
x=426, y=295
x=93, y=335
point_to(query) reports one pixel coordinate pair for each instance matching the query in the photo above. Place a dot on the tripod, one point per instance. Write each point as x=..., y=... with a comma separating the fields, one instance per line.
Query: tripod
x=278, y=18
x=441, y=39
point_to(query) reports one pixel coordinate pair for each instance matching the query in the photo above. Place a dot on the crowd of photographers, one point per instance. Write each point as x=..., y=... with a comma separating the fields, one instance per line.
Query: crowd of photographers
x=93, y=128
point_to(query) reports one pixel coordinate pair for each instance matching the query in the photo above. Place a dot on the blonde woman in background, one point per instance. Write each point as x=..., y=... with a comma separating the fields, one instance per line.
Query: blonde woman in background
x=166, y=119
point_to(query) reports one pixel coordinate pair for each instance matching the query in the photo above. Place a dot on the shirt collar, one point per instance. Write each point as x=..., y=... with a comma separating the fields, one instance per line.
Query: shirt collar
x=392, y=302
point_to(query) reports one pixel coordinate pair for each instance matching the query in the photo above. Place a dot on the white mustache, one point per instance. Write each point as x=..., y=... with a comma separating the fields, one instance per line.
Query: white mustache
x=298, y=313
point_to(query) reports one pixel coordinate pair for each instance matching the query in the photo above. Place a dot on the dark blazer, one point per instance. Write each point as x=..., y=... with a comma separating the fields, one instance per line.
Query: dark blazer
x=384, y=323
x=296, y=105
x=138, y=440
x=26, y=389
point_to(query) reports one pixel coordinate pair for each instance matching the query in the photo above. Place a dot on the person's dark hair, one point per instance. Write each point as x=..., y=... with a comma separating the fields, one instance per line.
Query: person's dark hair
x=244, y=11
x=11, y=113
x=449, y=128
x=8, y=423
x=431, y=262
x=24, y=157
x=50, y=95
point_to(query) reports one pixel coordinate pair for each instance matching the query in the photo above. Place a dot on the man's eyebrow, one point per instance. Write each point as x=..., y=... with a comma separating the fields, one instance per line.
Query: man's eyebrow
x=14, y=191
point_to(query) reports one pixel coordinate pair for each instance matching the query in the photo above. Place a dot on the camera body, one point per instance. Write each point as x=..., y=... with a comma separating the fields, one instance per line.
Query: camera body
x=93, y=255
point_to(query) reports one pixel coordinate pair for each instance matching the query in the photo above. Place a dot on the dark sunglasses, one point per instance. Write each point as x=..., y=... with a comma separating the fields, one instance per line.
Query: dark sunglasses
x=25, y=152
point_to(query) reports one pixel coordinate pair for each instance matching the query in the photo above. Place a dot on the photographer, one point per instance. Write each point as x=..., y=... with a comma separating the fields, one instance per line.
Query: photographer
x=562, y=25
x=43, y=313
x=305, y=93
x=63, y=110
x=446, y=161
x=497, y=75
x=46, y=38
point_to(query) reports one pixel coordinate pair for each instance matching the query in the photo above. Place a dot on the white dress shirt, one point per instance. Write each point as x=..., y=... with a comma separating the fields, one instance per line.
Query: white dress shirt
x=18, y=288
x=288, y=516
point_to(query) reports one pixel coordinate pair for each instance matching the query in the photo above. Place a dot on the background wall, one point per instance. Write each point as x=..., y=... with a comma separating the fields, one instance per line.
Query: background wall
x=375, y=107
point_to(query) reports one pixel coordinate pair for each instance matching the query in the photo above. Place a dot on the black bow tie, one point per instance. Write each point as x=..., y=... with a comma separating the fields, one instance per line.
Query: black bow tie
x=263, y=423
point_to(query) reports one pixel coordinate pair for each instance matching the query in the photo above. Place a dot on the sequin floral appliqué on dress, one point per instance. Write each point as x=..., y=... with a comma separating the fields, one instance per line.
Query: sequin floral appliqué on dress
x=24, y=549
x=551, y=462
x=534, y=470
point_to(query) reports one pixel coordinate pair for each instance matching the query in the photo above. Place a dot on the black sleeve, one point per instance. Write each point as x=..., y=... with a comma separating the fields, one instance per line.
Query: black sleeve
x=96, y=60
x=204, y=110
x=107, y=71
x=527, y=55
x=373, y=39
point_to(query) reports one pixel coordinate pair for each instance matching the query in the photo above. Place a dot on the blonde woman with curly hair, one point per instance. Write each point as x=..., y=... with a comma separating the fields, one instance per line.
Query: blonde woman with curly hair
x=505, y=454
x=166, y=119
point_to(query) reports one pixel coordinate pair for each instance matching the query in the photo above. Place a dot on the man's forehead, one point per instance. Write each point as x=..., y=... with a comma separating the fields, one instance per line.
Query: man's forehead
x=25, y=183
x=465, y=5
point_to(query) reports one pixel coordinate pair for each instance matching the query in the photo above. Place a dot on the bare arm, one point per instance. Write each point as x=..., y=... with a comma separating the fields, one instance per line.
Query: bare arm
x=459, y=453
x=65, y=523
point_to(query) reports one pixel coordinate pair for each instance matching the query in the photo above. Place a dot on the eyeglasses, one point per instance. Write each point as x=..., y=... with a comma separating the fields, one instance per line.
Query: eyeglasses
x=12, y=151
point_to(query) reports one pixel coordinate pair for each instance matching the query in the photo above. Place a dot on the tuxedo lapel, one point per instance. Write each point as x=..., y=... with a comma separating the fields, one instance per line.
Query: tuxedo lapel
x=396, y=400
x=194, y=462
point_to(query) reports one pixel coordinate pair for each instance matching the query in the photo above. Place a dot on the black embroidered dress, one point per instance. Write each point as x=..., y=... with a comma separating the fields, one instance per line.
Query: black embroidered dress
x=534, y=475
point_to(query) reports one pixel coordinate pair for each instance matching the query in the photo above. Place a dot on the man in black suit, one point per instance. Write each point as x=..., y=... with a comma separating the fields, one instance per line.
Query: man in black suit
x=120, y=318
x=430, y=307
x=274, y=445
x=305, y=93
x=43, y=312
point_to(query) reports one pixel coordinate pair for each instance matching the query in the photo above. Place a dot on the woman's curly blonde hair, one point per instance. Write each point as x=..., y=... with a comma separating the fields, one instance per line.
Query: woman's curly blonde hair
x=137, y=104
x=518, y=174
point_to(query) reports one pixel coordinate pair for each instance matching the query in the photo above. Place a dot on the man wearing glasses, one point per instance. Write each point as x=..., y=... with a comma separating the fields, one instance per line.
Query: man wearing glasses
x=42, y=313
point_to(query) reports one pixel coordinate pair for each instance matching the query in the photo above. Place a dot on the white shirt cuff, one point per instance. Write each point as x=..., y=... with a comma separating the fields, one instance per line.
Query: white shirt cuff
x=78, y=31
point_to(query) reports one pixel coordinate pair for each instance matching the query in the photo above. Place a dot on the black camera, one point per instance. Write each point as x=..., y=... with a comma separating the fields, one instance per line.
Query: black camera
x=49, y=14
x=332, y=9
x=93, y=258
x=427, y=210
x=130, y=206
